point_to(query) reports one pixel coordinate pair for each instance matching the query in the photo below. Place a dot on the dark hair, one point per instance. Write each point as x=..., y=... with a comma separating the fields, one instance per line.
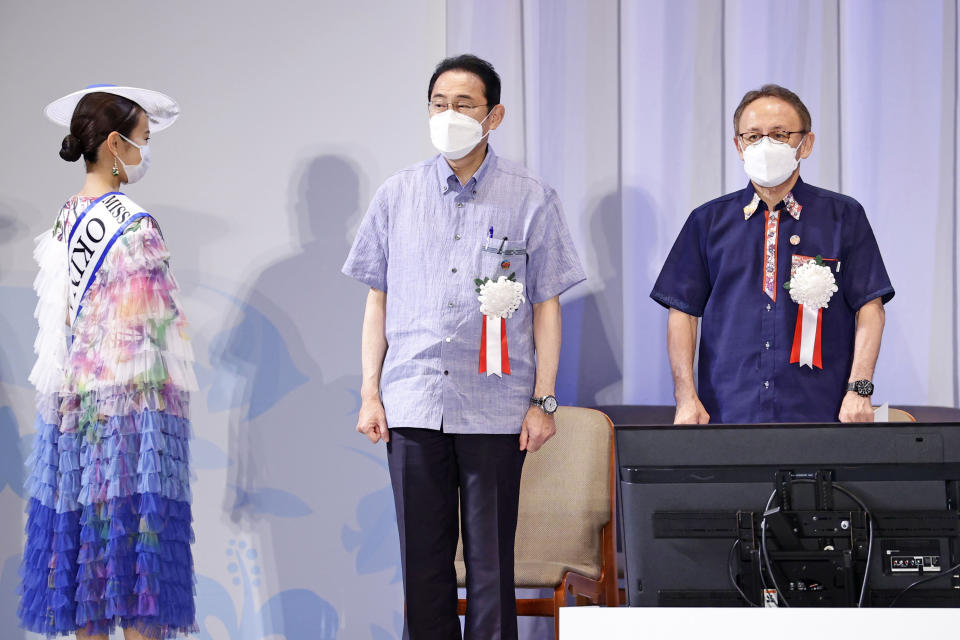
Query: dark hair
x=97, y=114
x=478, y=67
x=773, y=91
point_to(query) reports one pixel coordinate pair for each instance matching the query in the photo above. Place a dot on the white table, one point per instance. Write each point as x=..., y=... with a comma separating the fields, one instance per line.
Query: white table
x=670, y=623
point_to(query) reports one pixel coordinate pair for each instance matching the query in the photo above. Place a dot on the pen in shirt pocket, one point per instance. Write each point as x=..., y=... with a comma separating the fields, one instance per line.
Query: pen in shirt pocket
x=489, y=238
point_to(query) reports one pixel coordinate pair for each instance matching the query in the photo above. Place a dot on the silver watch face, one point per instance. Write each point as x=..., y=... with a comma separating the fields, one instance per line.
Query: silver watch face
x=549, y=404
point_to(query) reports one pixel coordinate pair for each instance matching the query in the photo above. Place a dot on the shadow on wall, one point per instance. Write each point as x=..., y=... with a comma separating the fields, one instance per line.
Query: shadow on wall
x=650, y=380
x=181, y=228
x=280, y=370
x=12, y=229
x=292, y=330
x=590, y=362
x=12, y=472
x=17, y=300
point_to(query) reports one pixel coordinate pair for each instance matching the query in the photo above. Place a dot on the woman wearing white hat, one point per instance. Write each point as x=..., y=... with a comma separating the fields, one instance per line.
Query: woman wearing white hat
x=108, y=528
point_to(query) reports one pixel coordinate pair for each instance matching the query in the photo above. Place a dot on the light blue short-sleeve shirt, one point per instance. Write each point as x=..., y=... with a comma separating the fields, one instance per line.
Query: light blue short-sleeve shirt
x=424, y=240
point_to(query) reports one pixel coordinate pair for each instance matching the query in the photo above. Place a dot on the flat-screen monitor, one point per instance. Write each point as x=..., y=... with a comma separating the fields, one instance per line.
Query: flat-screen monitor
x=791, y=515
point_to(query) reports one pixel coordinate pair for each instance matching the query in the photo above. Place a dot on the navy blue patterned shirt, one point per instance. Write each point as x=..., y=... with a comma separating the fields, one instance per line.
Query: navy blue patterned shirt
x=729, y=265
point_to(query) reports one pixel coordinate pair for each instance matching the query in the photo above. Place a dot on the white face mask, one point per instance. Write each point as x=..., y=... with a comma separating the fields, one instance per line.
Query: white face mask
x=136, y=171
x=770, y=163
x=455, y=134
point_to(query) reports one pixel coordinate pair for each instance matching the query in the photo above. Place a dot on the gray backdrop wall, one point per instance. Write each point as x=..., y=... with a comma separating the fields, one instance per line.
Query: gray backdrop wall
x=294, y=112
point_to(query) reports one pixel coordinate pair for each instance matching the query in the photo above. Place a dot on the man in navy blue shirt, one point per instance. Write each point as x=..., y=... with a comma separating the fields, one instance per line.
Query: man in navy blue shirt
x=787, y=281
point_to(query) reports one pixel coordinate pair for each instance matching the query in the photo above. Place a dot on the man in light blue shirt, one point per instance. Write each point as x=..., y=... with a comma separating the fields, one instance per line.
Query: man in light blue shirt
x=465, y=394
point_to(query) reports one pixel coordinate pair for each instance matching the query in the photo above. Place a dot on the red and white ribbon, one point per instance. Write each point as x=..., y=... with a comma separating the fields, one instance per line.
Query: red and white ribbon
x=807, y=338
x=499, y=299
x=811, y=286
x=494, y=351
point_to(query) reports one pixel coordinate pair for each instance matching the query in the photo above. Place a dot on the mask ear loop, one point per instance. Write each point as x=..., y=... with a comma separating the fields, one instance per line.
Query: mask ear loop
x=800, y=145
x=138, y=147
x=132, y=143
x=489, y=113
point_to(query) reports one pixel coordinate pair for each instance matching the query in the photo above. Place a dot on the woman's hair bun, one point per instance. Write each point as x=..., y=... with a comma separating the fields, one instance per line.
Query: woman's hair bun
x=70, y=149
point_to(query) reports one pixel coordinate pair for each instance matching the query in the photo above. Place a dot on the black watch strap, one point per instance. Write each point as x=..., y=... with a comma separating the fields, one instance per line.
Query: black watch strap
x=863, y=388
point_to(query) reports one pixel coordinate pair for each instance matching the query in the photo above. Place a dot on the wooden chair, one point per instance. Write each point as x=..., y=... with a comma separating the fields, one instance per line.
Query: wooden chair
x=566, y=532
x=900, y=415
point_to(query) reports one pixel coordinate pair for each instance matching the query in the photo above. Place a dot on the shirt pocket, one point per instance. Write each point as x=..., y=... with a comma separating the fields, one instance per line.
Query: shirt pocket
x=496, y=261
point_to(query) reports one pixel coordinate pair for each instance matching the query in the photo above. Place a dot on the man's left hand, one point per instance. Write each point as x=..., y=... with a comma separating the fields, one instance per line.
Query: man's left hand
x=537, y=428
x=856, y=408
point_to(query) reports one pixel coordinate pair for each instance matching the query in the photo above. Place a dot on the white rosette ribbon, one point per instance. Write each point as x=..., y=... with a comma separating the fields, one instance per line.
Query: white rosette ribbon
x=499, y=299
x=811, y=287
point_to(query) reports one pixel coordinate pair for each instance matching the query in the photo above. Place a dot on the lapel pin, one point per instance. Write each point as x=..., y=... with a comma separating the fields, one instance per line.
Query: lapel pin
x=794, y=240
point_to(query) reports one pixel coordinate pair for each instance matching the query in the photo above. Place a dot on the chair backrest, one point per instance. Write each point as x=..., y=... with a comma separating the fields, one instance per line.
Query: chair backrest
x=899, y=415
x=565, y=498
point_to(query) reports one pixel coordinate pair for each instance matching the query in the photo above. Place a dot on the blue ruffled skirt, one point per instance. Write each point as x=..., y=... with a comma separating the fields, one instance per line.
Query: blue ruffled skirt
x=109, y=518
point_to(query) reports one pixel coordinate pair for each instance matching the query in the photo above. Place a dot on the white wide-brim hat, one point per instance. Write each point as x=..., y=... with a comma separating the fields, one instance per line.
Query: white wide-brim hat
x=161, y=109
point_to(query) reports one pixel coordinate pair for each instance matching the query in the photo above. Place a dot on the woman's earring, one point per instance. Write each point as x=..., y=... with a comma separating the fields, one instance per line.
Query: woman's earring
x=115, y=171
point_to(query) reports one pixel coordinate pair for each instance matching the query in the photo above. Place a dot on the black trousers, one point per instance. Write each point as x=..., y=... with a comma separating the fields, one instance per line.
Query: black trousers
x=429, y=471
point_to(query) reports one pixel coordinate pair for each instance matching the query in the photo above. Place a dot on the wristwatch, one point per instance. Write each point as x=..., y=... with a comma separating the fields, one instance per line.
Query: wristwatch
x=547, y=403
x=863, y=388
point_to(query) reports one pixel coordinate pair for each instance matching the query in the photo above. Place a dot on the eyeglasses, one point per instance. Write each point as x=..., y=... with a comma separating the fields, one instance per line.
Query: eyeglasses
x=753, y=137
x=438, y=106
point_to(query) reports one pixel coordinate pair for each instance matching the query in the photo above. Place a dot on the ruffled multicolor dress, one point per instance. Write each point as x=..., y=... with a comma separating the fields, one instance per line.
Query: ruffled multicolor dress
x=109, y=518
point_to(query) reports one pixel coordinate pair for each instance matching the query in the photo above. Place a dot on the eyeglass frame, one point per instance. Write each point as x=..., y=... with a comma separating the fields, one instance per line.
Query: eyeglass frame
x=767, y=135
x=456, y=106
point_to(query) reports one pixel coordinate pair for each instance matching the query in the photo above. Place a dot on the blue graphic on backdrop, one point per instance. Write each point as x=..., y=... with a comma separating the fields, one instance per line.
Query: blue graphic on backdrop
x=204, y=454
x=376, y=542
x=254, y=357
x=379, y=633
x=269, y=501
x=18, y=328
x=357, y=401
x=294, y=614
x=9, y=582
x=12, y=472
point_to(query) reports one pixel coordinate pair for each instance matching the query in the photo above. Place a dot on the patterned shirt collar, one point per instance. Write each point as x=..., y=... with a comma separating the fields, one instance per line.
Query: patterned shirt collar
x=789, y=202
x=448, y=179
